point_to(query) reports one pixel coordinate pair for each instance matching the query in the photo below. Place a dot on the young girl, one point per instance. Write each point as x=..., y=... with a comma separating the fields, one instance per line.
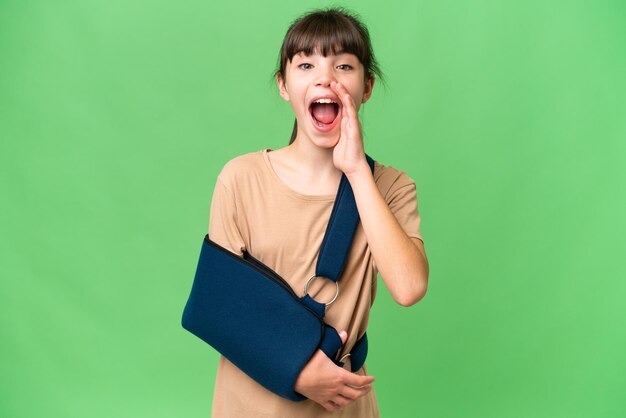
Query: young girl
x=276, y=204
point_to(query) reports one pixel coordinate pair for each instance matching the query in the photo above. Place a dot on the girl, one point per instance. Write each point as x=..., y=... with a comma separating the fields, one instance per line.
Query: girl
x=276, y=205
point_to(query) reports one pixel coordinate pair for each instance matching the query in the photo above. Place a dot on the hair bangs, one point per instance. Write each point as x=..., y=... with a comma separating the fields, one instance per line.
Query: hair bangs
x=326, y=35
x=329, y=32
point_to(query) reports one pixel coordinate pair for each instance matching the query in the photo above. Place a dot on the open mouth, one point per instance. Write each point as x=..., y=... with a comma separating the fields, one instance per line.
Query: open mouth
x=324, y=112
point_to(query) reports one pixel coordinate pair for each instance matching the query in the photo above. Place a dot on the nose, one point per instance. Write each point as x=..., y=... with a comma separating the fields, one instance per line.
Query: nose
x=324, y=76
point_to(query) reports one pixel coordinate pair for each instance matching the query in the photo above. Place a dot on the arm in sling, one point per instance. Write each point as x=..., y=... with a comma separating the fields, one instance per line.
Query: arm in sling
x=252, y=316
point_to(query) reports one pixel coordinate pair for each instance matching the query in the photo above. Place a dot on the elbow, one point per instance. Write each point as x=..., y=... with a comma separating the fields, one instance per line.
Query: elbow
x=411, y=298
x=417, y=287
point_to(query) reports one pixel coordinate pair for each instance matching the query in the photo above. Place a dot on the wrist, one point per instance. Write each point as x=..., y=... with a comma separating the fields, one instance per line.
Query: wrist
x=360, y=172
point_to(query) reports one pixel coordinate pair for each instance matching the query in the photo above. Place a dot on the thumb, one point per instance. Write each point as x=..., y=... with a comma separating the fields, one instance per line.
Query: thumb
x=344, y=336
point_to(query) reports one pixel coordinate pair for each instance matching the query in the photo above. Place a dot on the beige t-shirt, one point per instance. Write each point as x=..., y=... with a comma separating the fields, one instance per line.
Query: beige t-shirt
x=253, y=209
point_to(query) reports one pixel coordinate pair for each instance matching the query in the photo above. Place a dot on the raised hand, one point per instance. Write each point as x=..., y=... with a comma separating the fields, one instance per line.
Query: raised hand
x=331, y=386
x=348, y=154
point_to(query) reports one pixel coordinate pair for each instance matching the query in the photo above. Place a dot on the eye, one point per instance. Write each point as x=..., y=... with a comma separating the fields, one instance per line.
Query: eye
x=346, y=65
x=305, y=63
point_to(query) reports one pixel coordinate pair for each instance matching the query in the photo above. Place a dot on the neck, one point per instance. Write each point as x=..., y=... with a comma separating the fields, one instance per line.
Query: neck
x=315, y=163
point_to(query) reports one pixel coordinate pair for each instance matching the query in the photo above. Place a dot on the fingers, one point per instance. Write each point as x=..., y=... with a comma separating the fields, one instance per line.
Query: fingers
x=336, y=387
x=346, y=397
x=356, y=380
x=355, y=393
x=346, y=99
x=341, y=402
x=330, y=406
x=337, y=403
x=344, y=123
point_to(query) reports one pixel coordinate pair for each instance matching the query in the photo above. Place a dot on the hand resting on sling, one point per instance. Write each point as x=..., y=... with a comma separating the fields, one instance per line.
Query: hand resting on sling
x=329, y=385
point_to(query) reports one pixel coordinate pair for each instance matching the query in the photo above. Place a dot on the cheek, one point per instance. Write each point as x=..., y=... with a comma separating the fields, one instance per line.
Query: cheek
x=354, y=85
x=356, y=92
x=298, y=105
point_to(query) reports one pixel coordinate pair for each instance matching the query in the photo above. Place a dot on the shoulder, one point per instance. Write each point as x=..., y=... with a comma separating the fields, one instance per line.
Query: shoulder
x=240, y=168
x=390, y=179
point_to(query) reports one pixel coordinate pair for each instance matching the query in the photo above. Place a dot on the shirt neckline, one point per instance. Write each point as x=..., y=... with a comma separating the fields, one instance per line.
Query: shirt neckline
x=288, y=190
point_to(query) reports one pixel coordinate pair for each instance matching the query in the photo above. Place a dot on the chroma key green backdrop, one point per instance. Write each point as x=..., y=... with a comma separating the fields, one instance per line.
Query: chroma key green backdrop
x=116, y=116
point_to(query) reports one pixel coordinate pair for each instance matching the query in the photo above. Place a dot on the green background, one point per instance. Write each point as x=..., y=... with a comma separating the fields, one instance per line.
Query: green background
x=116, y=116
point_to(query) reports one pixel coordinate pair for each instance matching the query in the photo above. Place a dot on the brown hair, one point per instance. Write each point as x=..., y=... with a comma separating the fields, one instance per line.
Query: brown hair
x=328, y=31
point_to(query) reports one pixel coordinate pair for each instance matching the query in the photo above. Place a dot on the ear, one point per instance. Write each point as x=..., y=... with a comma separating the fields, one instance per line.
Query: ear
x=282, y=89
x=369, y=86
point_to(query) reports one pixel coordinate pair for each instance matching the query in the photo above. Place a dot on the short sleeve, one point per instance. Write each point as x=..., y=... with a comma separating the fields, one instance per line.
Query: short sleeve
x=402, y=200
x=223, y=228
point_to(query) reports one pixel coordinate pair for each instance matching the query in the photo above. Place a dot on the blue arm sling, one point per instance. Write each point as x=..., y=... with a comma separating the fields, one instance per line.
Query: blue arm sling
x=252, y=316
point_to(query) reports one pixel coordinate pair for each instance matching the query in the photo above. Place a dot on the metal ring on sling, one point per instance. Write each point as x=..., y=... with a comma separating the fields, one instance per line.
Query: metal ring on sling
x=306, y=290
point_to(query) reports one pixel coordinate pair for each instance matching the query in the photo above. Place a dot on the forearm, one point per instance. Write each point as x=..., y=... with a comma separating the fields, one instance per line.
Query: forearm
x=402, y=266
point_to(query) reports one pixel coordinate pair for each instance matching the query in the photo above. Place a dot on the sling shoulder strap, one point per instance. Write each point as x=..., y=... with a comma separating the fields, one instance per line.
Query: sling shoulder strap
x=331, y=261
x=340, y=231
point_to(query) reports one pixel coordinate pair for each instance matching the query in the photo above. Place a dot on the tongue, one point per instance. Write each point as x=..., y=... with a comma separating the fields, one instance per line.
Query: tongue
x=324, y=112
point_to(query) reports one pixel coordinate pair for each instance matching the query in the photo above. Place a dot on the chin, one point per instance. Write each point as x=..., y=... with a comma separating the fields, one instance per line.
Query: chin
x=326, y=141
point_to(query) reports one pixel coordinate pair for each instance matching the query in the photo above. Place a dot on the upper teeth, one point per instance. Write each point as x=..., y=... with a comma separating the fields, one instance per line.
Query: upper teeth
x=324, y=101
